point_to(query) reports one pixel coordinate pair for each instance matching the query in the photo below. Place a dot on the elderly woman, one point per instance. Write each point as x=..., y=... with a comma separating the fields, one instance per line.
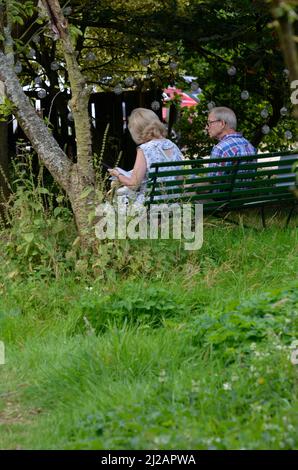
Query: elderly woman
x=150, y=135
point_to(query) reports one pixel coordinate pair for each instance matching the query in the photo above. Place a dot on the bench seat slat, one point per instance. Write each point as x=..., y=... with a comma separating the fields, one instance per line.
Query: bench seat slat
x=227, y=204
x=225, y=189
x=225, y=194
x=159, y=188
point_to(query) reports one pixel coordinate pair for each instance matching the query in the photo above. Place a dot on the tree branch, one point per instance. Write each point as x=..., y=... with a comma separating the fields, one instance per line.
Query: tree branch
x=37, y=132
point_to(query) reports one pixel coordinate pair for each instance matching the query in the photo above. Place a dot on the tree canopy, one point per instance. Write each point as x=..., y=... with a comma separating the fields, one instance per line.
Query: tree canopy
x=146, y=44
x=231, y=47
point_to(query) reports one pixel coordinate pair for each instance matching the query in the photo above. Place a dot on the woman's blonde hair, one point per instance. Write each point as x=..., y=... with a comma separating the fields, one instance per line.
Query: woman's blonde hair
x=144, y=125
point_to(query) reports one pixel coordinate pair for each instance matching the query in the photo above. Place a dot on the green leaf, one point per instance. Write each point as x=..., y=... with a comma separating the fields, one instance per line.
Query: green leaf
x=43, y=191
x=85, y=193
x=57, y=211
x=19, y=20
x=29, y=237
x=58, y=227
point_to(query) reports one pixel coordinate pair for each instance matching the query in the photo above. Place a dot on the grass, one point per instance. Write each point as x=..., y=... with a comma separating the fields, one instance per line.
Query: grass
x=169, y=349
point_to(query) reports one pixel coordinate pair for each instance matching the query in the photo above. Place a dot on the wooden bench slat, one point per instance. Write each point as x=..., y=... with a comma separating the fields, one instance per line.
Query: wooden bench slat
x=226, y=169
x=250, y=181
x=224, y=194
x=212, y=186
x=224, y=203
x=204, y=179
x=201, y=161
x=254, y=185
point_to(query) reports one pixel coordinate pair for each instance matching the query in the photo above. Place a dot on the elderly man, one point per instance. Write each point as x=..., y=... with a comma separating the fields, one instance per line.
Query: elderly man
x=222, y=125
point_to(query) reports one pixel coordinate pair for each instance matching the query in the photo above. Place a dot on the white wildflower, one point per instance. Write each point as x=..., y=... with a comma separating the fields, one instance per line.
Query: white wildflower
x=195, y=386
x=227, y=386
x=294, y=357
x=162, y=376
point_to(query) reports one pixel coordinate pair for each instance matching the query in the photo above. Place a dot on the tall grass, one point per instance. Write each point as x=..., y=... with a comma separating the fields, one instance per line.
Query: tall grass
x=169, y=349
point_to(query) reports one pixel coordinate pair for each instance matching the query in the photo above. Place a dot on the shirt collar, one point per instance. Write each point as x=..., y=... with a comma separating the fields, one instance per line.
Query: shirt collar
x=234, y=135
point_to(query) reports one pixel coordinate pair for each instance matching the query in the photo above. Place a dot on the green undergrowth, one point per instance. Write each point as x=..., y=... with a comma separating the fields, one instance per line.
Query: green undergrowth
x=158, y=349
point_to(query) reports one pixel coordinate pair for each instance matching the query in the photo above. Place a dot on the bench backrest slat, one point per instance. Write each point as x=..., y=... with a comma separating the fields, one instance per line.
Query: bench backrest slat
x=221, y=178
x=227, y=169
x=246, y=180
x=227, y=159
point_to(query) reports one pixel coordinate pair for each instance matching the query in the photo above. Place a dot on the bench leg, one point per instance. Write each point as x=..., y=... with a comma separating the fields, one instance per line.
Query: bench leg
x=263, y=217
x=290, y=215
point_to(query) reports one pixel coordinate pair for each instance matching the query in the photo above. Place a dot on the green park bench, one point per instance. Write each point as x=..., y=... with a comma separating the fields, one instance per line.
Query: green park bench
x=248, y=182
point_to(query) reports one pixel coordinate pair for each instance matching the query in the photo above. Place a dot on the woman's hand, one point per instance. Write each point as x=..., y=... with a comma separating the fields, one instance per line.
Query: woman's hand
x=137, y=175
x=114, y=172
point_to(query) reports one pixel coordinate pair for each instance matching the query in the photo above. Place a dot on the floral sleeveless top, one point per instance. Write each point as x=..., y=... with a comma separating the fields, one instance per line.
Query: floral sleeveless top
x=154, y=151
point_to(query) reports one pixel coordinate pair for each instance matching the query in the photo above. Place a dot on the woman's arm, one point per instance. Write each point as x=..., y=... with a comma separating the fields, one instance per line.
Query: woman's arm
x=138, y=172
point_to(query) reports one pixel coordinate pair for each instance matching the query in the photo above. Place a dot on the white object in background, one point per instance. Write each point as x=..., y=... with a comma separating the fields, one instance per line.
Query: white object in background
x=2, y=92
x=124, y=172
x=290, y=167
x=2, y=353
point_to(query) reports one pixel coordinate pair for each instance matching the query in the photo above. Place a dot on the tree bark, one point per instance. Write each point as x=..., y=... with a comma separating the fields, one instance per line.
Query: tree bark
x=286, y=33
x=33, y=126
x=4, y=177
x=79, y=89
x=74, y=178
x=68, y=175
x=83, y=173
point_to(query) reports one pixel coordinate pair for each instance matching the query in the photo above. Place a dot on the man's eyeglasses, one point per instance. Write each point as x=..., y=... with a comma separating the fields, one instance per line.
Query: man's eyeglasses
x=208, y=123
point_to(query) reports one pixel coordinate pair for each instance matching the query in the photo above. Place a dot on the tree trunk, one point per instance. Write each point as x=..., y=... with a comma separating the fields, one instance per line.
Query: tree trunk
x=33, y=126
x=78, y=180
x=4, y=177
x=68, y=175
x=82, y=174
x=285, y=28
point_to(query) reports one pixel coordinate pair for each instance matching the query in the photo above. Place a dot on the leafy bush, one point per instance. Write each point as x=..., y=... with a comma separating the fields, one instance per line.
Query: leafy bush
x=270, y=314
x=190, y=129
x=135, y=304
x=40, y=222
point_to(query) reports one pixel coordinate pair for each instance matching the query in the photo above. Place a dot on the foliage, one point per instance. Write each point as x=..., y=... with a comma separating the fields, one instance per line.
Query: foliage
x=203, y=39
x=6, y=108
x=134, y=304
x=269, y=315
x=18, y=11
x=177, y=355
x=142, y=388
x=190, y=131
x=39, y=221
